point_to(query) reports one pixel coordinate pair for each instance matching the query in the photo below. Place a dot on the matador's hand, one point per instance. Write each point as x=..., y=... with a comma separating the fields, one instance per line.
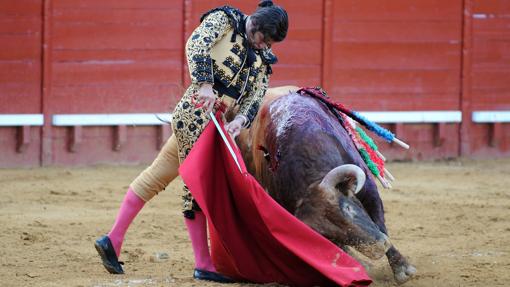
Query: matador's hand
x=206, y=97
x=234, y=127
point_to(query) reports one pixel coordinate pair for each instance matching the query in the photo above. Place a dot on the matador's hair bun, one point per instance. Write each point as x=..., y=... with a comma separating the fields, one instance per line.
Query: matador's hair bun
x=266, y=3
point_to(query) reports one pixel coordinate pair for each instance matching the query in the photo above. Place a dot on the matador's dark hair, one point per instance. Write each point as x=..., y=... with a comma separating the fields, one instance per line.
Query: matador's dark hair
x=271, y=20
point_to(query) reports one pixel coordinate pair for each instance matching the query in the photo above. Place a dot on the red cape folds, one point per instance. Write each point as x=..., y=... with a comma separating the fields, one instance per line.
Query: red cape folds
x=253, y=238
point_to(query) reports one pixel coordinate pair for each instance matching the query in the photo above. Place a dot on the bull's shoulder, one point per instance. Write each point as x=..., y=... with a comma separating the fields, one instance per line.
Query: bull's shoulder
x=272, y=95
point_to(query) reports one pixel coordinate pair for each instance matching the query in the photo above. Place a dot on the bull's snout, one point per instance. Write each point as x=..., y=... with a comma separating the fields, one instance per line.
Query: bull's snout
x=365, y=235
x=377, y=249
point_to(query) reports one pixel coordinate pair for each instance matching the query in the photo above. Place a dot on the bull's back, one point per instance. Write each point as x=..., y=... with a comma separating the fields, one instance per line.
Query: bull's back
x=302, y=141
x=302, y=128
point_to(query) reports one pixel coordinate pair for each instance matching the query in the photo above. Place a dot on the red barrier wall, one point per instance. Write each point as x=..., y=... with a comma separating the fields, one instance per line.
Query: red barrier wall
x=20, y=76
x=113, y=56
x=108, y=56
x=489, y=86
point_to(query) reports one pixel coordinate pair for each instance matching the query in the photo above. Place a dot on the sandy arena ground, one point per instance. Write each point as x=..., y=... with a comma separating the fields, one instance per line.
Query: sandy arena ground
x=450, y=218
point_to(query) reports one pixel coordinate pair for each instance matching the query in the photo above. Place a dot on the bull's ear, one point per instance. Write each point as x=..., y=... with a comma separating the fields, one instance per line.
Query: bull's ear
x=348, y=186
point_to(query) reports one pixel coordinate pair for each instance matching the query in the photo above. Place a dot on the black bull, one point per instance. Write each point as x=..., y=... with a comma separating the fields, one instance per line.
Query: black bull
x=306, y=161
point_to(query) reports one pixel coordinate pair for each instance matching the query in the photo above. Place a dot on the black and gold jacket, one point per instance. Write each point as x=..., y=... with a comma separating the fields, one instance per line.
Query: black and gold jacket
x=218, y=52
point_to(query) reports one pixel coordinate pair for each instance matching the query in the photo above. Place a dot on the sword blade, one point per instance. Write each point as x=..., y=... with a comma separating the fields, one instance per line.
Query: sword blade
x=225, y=140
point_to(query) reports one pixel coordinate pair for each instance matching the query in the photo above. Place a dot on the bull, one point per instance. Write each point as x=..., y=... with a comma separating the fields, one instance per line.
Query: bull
x=306, y=161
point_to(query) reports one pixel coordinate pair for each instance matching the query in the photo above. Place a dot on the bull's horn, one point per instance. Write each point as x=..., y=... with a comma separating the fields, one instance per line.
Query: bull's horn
x=341, y=173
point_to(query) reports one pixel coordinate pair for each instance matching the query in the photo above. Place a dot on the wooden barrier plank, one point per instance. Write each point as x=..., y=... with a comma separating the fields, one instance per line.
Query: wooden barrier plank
x=398, y=101
x=20, y=24
x=390, y=10
x=130, y=17
x=383, y=81
x=137, y=55
x=23, y=72
x=117, y=72
x=299, y=75
x=19, y=120
x=21, y=7
x=114, y=36
x=20, y=47
x=97, y=98
x=292, y=49
x=397, y=30
x=9, y=157
x=132, y=119
x=115, y=4
x=499, y=6
x=398, y=56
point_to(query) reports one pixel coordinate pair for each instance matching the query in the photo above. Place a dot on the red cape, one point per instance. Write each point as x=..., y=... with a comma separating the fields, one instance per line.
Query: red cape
x=252, y=237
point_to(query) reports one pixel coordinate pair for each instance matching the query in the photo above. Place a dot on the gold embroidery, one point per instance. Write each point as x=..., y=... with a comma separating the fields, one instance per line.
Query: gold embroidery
x=211, y=55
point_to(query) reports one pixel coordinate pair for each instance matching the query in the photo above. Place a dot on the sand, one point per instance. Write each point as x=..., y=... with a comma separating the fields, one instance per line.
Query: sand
x=450, y=218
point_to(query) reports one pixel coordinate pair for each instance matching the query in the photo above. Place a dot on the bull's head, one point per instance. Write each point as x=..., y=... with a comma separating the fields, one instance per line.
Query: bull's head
x=333, y=210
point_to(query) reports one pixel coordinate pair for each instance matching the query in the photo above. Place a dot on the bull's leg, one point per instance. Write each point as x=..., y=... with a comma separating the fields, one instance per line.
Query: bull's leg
x=369, y=197
x=402, y=269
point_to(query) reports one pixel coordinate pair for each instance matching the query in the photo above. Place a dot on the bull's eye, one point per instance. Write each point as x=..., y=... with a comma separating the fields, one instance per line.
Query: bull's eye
x=349, y=210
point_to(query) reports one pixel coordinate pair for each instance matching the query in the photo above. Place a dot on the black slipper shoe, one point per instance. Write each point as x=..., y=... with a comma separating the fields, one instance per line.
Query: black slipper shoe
x=110, y=261
x=211, y=276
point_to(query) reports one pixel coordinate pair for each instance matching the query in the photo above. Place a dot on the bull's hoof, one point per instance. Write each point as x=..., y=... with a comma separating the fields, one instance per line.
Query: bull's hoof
x=403, y=272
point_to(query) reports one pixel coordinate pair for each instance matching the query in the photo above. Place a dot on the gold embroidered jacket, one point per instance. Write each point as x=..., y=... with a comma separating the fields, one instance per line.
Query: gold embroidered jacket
x=218, y=53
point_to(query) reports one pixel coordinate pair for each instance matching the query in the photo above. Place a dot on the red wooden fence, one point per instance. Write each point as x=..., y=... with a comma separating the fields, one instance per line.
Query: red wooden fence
x=76, y=57
x=20, y=78
x=487, y=77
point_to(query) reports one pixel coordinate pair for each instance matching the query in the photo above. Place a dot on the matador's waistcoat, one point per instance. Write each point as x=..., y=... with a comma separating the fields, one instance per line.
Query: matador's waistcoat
x=218, y=52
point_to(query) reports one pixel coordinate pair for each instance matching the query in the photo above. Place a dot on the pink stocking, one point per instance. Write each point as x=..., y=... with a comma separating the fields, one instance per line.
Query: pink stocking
x=197, y=229
x=131, y=205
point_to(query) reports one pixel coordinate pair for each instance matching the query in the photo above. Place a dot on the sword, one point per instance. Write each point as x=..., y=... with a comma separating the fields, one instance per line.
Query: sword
x=225, y=140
